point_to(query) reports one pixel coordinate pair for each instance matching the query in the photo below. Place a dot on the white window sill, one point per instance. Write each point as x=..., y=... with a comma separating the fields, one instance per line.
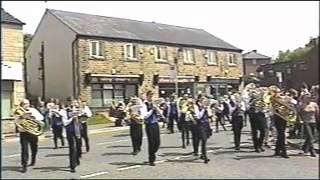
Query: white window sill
x=212, y=64
x=96, y=57
x=161, y=61
x=131, y=59
x=232, y=64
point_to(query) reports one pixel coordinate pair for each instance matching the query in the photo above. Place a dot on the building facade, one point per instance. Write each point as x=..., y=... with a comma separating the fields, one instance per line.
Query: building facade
x=99, y=65
x=252, y=60
x=12, y=63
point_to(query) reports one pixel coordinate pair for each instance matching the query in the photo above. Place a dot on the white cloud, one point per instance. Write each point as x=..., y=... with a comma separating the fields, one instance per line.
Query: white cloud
x=265, y=26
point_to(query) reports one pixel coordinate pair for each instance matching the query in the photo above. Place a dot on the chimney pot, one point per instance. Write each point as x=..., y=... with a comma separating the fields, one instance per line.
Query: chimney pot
x=254, y=51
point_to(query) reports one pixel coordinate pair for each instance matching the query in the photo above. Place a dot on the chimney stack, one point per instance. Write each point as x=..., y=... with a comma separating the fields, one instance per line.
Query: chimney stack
x=254, y=51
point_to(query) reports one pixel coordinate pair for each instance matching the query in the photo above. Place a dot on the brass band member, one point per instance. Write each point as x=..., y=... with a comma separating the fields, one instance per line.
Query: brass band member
x=136, y=120
x=84, y=116
x=281, y=124
x=26, y=137
x=73, y=129
x=56, y=116
x=203, y=126
x=183, y=122
x=151, y=116
x=237, y=109
x=192, y=119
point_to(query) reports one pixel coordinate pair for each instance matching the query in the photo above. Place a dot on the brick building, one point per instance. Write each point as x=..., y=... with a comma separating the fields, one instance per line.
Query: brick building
x=252, y=60
x=103, y=58
x=12, y=63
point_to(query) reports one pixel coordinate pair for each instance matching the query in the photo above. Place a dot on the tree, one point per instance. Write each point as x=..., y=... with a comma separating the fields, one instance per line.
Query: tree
x=26, y=42
x=298, y=53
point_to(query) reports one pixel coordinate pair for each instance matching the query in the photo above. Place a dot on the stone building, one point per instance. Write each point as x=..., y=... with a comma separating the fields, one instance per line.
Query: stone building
x=252, y=60
x=12, y=63
x=104, y=58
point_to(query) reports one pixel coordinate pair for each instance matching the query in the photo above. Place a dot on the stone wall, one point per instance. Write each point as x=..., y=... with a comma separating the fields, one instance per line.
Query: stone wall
x=114, y=59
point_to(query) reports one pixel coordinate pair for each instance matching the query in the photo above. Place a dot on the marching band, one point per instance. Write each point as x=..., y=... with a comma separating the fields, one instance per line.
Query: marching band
x=263, y=105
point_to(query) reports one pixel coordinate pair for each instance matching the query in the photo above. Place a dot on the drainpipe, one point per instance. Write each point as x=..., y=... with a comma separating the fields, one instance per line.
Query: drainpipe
x=74, y=93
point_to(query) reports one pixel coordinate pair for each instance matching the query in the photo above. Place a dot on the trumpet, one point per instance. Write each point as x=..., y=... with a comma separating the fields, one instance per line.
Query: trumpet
x=27, y=122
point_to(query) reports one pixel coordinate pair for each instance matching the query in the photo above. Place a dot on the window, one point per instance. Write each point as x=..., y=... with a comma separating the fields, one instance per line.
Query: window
x=232, y=59
x=161, y=53
x=131, y=51
x=188, y=55
x=96, y=49
x=270, y=72
x=254, y=61
x=289, y=71
x=104, y=94
x=212, y=57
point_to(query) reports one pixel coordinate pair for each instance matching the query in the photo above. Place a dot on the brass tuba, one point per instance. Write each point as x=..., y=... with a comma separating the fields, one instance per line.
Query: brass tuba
x=28, y=124
x=281, y=107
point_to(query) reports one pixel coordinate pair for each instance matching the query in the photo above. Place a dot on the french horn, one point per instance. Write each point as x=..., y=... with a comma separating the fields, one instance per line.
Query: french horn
x=28, y=124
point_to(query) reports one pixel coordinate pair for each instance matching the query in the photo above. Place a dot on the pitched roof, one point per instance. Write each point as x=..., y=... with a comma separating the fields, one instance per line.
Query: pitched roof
x=254, y=55
x=111, y=27
x=8, y=18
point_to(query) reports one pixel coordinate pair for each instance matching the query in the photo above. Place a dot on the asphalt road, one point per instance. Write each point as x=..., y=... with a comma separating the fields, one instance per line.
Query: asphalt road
x=110, y=158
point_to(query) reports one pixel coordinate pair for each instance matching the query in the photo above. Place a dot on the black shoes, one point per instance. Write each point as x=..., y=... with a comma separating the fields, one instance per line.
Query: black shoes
x=261, y=149
x=134, y=153
x=202, y=156
x=24, y=169
x=32, y=163
x=152, y=164
x=257, y=150
x=206, y=161
x=183, y=146
x=195, y=154
x=237, y=148
x=88, y=149
x=73, y=170
x=285, y=156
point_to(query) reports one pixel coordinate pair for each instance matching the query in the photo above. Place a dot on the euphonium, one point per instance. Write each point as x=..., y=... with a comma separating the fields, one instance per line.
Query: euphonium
x=28, y=124
x=281, y=107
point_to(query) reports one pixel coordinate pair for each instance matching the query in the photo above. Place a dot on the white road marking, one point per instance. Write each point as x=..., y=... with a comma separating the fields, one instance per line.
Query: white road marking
x=186, y=156
x=161, y=161
x=113, y=142
x=177, y=157
x=10, y=156
x=210, y=151
x=94, y=174
x=130, y=167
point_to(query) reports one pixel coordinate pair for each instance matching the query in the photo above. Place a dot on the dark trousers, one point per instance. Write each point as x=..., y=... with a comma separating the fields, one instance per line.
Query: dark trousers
x=203, y=136
x=153, y=135
x=246, y=116
x=309, y=129
x=136, y=136
x=195, y=137
x=184, y=129
x=258, y=122
x=74, y=150
x=84, y=135
x=280, y=125
x=57, y=133
x=26, y=139
x=171, y=123
x=219, y=121
x=237, y=124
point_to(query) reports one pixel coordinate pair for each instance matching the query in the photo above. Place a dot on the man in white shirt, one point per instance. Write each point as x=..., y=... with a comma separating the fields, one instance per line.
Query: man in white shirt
x=28, y=138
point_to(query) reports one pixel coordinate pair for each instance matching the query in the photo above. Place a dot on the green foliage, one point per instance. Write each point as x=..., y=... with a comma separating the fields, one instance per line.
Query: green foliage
x=298, y=53
x=99, y=119
x=26, y=42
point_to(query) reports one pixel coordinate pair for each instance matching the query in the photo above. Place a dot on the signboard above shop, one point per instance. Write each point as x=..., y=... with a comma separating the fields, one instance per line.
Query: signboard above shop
x=11, y=71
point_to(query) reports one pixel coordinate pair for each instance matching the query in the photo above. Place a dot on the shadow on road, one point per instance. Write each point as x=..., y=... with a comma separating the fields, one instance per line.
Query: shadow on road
x=254, y=157
x=174, y=154
x=56, y=155
x=161, y=147
x=115, y=153
x=118, y=146
x=11, y=168
x=49, y=169
x=193, y=160
x=230, y=152
x=53, y=147
x=127, y=164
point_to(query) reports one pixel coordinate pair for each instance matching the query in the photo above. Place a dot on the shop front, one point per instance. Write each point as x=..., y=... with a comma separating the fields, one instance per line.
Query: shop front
x=221, y=86
x=167, y=86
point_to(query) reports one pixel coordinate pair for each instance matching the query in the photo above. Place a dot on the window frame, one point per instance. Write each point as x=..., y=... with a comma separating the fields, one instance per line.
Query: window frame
x=156, y=48
x=98, y=54
x=209, y=53
x=232, y=57
x=254, y=61
x=101, y=90
x=185, y=55
x=131, y=45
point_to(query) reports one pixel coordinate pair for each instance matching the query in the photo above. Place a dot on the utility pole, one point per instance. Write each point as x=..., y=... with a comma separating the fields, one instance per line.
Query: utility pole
x=176, y=79
x=42, y=70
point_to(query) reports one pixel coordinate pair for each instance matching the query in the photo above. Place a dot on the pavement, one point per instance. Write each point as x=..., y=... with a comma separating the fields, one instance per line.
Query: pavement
x=110, y=158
